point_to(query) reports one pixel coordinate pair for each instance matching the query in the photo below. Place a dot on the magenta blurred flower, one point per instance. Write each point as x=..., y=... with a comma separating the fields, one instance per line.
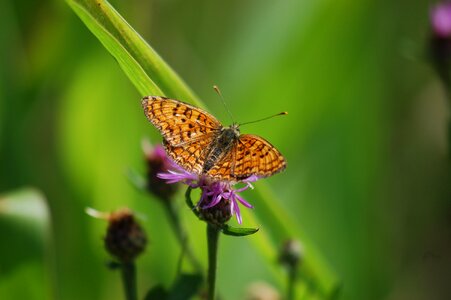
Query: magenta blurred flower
x=214, y=193
x=440, y=40
x=441, y=19
x=157, y=162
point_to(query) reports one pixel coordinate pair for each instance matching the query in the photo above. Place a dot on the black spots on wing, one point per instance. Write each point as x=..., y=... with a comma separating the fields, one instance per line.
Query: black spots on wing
x=188, y=113
x=191, y=126
x=264, y=154
x=247, y=152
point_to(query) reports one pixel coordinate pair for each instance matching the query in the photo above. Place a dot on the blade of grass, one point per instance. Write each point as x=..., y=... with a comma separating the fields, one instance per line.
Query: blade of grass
x=145, y=68
x=151, y=75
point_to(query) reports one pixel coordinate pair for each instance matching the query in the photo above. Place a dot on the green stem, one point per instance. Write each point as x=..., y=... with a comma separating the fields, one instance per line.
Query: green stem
x=212, y=240
x=292, y=273
x=181, y=235
x=128, y=271
x=189, y=202
x=449, y=134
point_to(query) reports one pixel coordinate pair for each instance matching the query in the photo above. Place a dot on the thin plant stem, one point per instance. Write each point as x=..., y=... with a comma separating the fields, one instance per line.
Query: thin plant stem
x=292, y=273
x=181, y=235
x=212, y=241
x=128, y=271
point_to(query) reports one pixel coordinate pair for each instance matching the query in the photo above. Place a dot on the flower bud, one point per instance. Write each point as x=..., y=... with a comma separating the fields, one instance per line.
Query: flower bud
x=125, y=239
x=291, y=253
x=158, y=162
x=218, y=214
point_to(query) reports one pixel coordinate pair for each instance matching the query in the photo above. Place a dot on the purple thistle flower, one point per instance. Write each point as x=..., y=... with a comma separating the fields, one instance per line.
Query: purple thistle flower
x=440, y=40
x=157, y=162
x=441, y=19
x=220, y=194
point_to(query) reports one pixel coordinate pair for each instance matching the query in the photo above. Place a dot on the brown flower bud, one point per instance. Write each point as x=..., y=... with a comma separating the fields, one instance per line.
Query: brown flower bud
x=125, y=239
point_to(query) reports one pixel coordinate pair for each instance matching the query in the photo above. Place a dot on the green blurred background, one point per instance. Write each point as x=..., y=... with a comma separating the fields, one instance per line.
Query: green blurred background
x=368, y=175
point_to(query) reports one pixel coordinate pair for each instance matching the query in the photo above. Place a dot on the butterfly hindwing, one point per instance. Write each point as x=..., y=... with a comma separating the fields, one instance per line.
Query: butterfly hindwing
x=251, y=155
x=222, y=170
x=190, y=156
x=256, y=156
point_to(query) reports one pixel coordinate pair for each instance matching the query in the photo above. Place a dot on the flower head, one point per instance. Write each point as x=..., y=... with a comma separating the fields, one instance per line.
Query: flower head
x=440, y=40
x=219, y=199
x=157, y=162
x=125, y=238
x=441, y=19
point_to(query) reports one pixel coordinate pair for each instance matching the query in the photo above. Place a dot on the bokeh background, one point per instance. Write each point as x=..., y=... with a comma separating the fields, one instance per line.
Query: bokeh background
x=368, y=175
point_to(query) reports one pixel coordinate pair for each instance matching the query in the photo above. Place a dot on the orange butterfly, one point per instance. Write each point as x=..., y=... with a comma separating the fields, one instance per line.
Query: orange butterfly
x=198, y=142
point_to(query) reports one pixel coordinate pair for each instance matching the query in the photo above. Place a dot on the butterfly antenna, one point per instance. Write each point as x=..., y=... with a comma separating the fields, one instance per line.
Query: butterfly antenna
x=279, y=114
x=215, y=87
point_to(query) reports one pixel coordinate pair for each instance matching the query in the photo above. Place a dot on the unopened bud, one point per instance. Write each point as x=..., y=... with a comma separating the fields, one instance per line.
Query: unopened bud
x=291, y=253
x=125, y=239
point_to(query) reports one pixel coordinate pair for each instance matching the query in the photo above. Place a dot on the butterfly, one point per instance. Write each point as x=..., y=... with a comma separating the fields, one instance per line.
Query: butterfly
x=199, y=143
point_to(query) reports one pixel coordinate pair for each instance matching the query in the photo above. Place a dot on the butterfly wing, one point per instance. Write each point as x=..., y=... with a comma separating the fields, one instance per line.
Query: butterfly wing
x=222, y=170
x=190, y=156
x=251, y=155
x=179, y=122
x=256, y=156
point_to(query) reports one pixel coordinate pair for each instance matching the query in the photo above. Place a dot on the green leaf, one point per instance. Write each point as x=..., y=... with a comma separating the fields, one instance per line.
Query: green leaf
x=186, y=286
x=151, y=75
x=27, y=249
x=238, y=231
x=157, y=292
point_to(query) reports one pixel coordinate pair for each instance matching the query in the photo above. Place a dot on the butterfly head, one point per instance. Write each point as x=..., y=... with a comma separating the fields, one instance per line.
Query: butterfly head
x=236, y=128
x=231, y=132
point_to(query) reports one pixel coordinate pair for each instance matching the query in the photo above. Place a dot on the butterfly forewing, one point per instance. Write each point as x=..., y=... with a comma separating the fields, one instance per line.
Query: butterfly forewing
x=179, y=122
